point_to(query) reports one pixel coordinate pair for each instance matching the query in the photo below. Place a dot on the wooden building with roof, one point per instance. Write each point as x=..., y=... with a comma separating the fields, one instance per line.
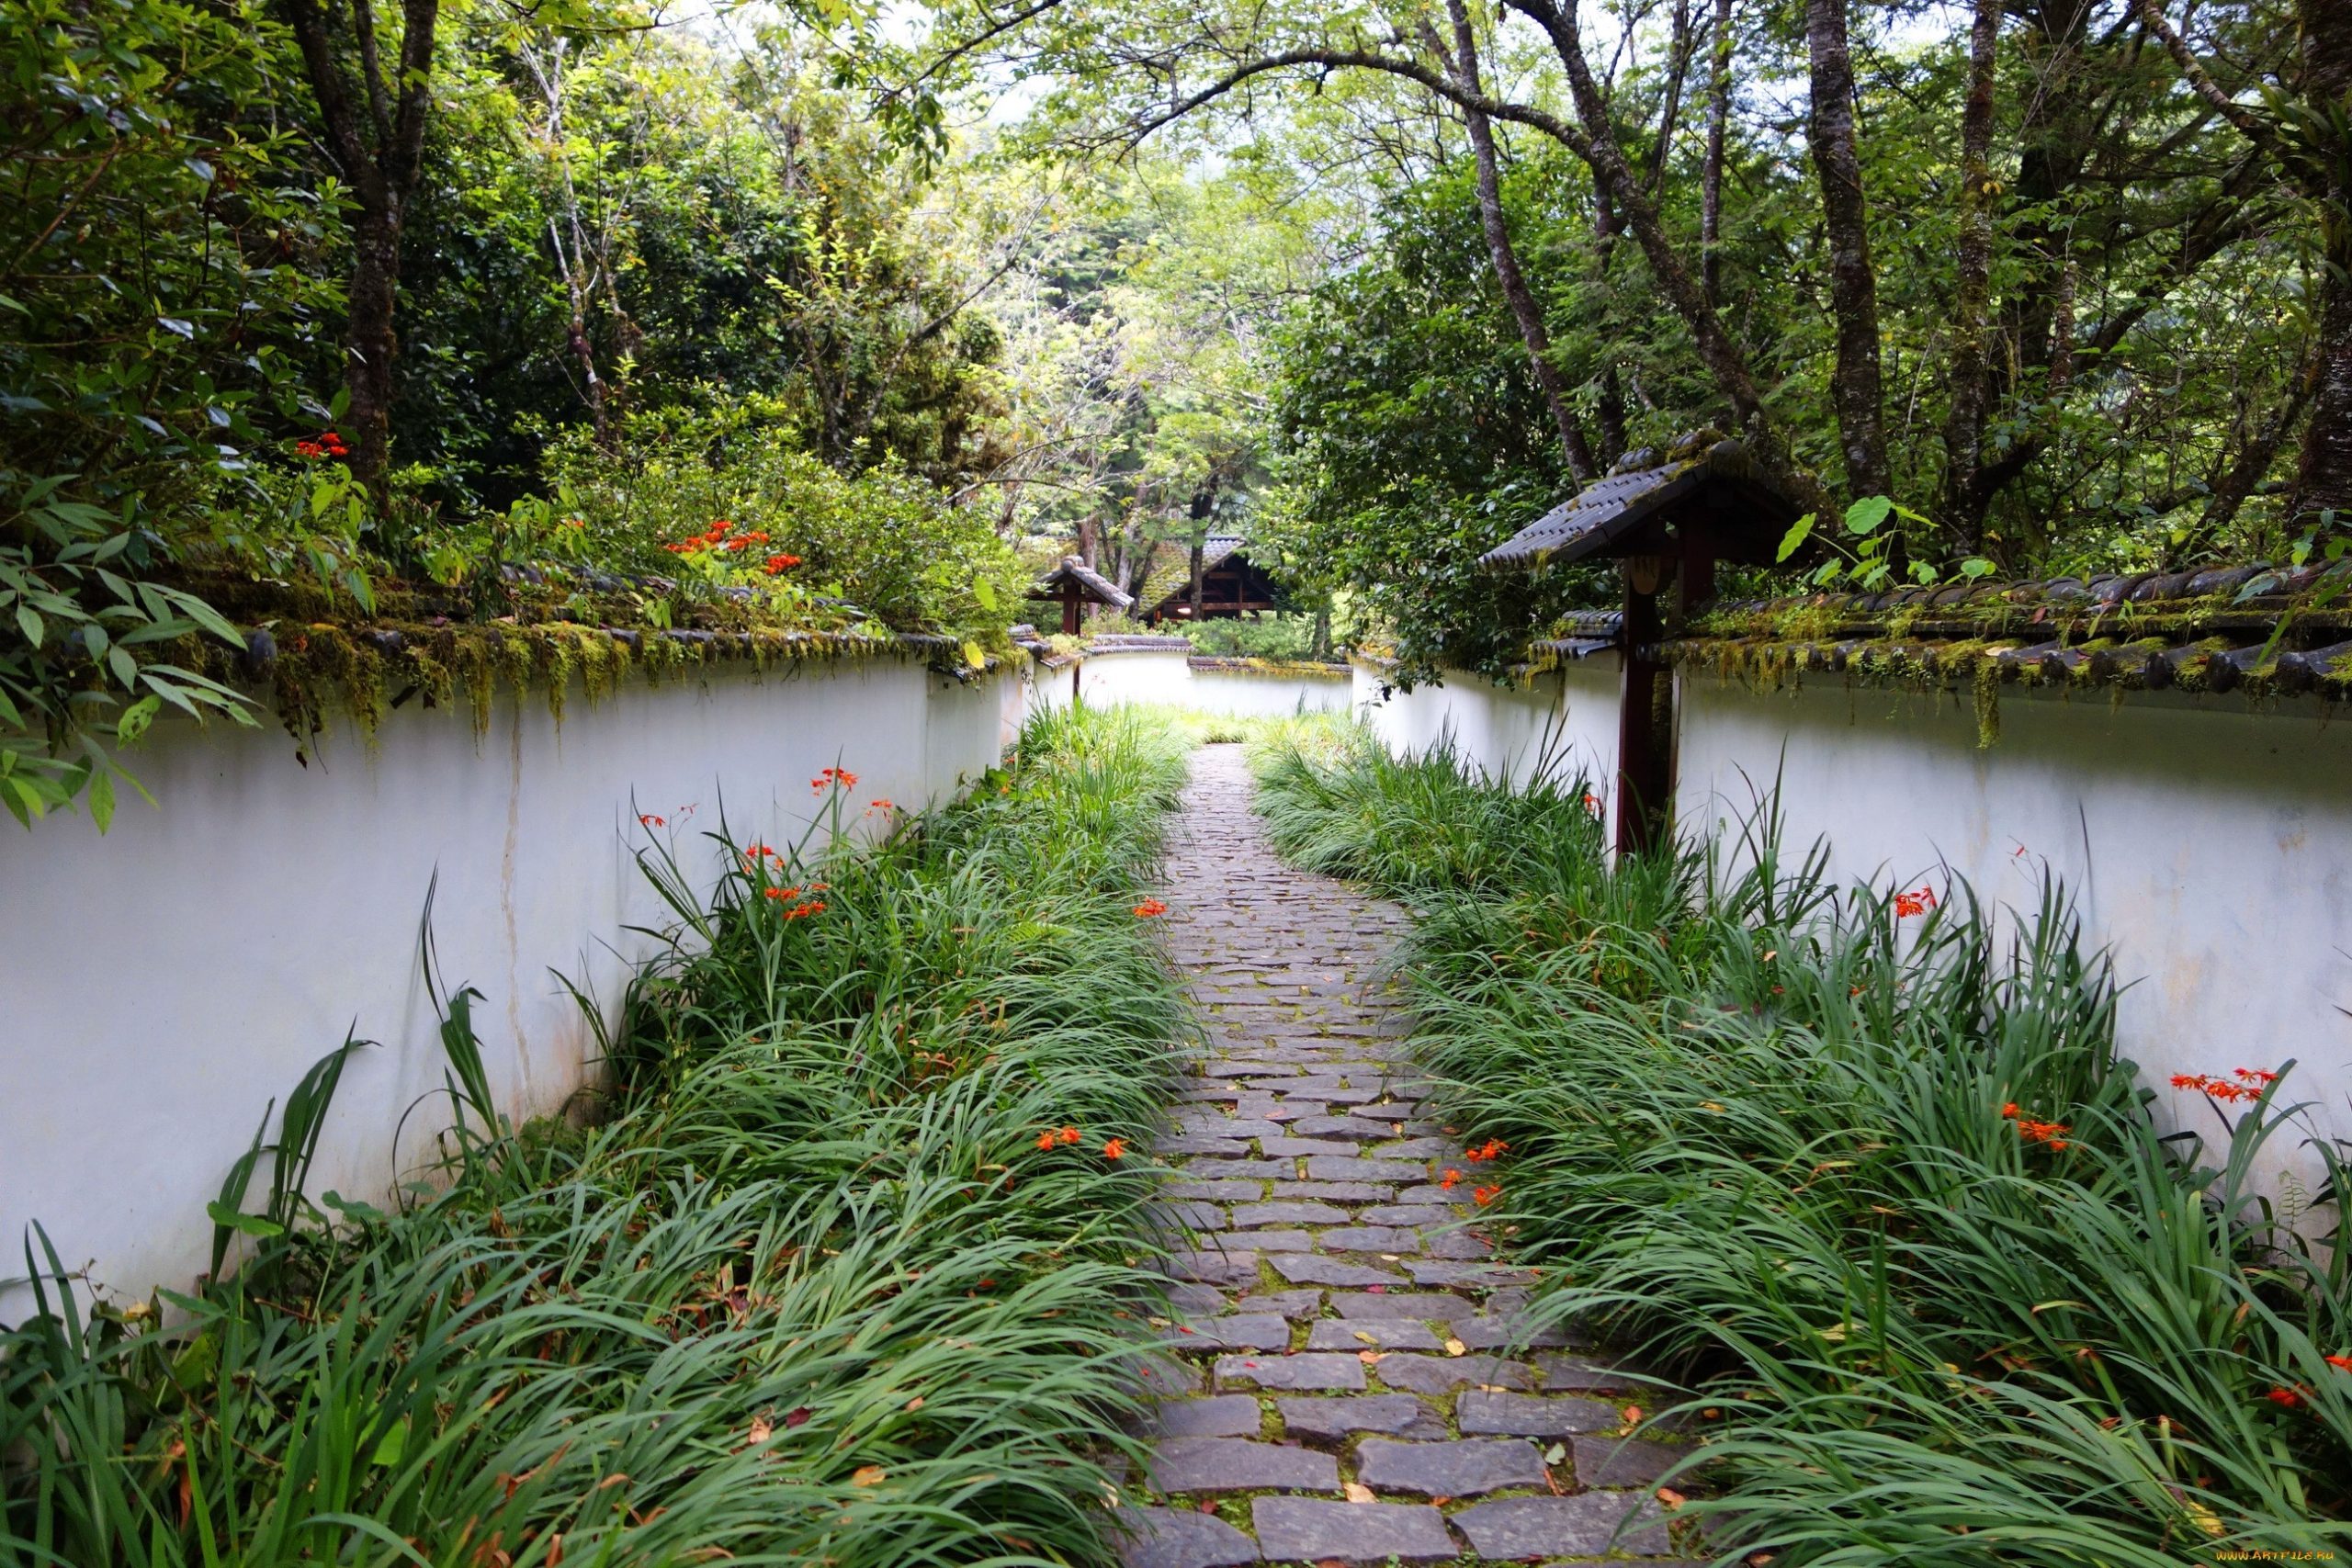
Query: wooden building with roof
x=1231, y=583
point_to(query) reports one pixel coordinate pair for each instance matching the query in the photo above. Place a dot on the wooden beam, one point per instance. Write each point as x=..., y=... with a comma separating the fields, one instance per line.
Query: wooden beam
x=1645, y=715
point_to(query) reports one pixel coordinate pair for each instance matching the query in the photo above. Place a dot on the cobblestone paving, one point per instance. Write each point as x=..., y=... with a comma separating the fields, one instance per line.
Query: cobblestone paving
x=1348, y=1386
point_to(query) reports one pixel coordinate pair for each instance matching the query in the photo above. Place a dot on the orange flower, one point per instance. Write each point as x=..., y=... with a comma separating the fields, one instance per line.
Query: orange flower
x=1453, y=1177
x=1046, y=1139
x=1069, y=1135
x=2010, y=1110
x=1488, y=1150
x=2290, y=1397
x=1909, y=904
x=646, y=819
x=1486, y=1195
x=2042, y=1132
x=2341, y=1363
x=1116, y=1149
x=1150, y=908
x=2223, y=1088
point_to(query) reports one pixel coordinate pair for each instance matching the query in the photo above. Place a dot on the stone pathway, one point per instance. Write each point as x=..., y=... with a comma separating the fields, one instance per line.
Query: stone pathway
x=1348, y=1386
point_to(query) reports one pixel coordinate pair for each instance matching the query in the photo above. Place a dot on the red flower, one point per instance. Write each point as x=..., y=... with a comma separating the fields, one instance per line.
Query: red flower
x=720, y=528
x=2290, y=1397
x=1149, y=909
x=2011, y=1111
x=646, y=819
x=1488, y=1150
x=1486, y=1195
x=2341, y=1363
x=1069, y=1135
x=2223, y=1088
x=1450, y=1179
x=2042, y=1132
x=781, y=563
x=1116, y=1149
x=882, y=804
x=1909, y=904
x=1046, y=1139
x=1592, y=803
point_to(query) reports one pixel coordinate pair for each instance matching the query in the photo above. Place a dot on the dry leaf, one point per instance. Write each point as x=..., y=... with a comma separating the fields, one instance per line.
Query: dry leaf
x=798, y=1417
x=1369, y=1358
x=1206, y=1506
x=1367, y=1338
x=1359, y=1493
x=1440, y=1501
x=1670, y=1498
x=1555, y=1454
x=762, y=1430
x=868, y=1475
x=1455, y=1347
x=915, y=1403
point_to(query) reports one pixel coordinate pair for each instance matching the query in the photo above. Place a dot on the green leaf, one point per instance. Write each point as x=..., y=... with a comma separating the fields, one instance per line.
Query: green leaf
x=1975, y=567
x=974, y=657
x=1799, y=531
x=136, y=718
x=29, y=621
x=101, y=799
x=250, y=1224
x=1868, y=513
x=985, y=591
x=391, y=1446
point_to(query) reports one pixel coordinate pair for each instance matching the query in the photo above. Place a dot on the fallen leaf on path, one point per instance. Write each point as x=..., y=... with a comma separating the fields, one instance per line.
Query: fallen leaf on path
x=1359, y=1493
x=1455, y=1347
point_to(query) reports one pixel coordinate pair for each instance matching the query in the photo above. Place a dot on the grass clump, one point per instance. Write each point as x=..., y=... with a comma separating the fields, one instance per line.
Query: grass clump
x=811, y=1294
x=1861, y=1170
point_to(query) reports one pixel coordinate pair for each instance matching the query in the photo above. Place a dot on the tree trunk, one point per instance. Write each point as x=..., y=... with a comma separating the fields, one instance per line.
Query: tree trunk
x=1321, y=648
x=1677, y=67
x=2254, y=460
x=379, y=149
x=1200, y=553
x=1725, y=363
x=1525, y=312
x=1853, y=283
x=2323, y=474
x=1710, y=175
x=1972, y=295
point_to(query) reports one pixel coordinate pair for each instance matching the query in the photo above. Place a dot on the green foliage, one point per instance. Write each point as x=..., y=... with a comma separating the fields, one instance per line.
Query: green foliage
x=1868, y=1181
x=808, y=1292
x=886, y=541
x=157, y=291
x=1417, y=440
x=1262, y=637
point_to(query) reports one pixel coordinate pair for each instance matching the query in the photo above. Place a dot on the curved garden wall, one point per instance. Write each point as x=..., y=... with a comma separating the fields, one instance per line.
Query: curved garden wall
x=177, y=973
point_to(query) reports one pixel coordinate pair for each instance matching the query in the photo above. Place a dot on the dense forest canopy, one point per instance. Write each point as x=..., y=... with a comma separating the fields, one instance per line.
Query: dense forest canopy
x=373, y=299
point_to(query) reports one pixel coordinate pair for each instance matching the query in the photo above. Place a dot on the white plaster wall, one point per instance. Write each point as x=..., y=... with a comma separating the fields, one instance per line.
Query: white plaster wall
x=164, y=981
x=1107, y=679
x=2208, y=846
x=1561, y=724
x=1242, y=693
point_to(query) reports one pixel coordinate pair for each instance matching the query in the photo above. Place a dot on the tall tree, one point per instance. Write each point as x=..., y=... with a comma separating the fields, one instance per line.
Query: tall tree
x=1461, y=63
x=1854, y=386
x=373, y=124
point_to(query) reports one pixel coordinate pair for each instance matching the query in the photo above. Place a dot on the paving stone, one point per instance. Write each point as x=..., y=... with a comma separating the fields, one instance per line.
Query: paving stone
x=1401, y=1303
x=1313, y=1268
x=1334, y=1191
x=1211, y=1266
x=1531, y=1415
x=1290, y=1148
x=1584, y=1371
x=1277, y=1241
x=1287, y=1304
x=1225, y=1191
x=1305, y=1371
x=1416, y=1150
x=1408, y=1215
x=1315, y=1124
x=1241, y=1331
x=1336, y=1418
x=1455, y=1244
x=1197, y=1143
x=1537, y=1526
x=1624, y=1461
x=1436, y=1374
x=1315, y=1531
x=1372, y=1334
x=1348, y=1167
x=1464, y=1467
x=1369, y=1238
x=1237, y=1464
x=1218, y=1126
x=1298, y=1211
x=1239, y=1069
x=1167, y=1376
x=1191, y=1214
x=1431, y=1193
x=1179, y=1537
x=1264, y=1169
x=1487, y=1332
x=1218, y=1416
x=1447, y=1271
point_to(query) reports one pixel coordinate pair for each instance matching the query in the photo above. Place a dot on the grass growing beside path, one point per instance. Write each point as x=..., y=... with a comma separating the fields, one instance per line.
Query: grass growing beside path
x=1865, y=1174
x=813, y=1293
